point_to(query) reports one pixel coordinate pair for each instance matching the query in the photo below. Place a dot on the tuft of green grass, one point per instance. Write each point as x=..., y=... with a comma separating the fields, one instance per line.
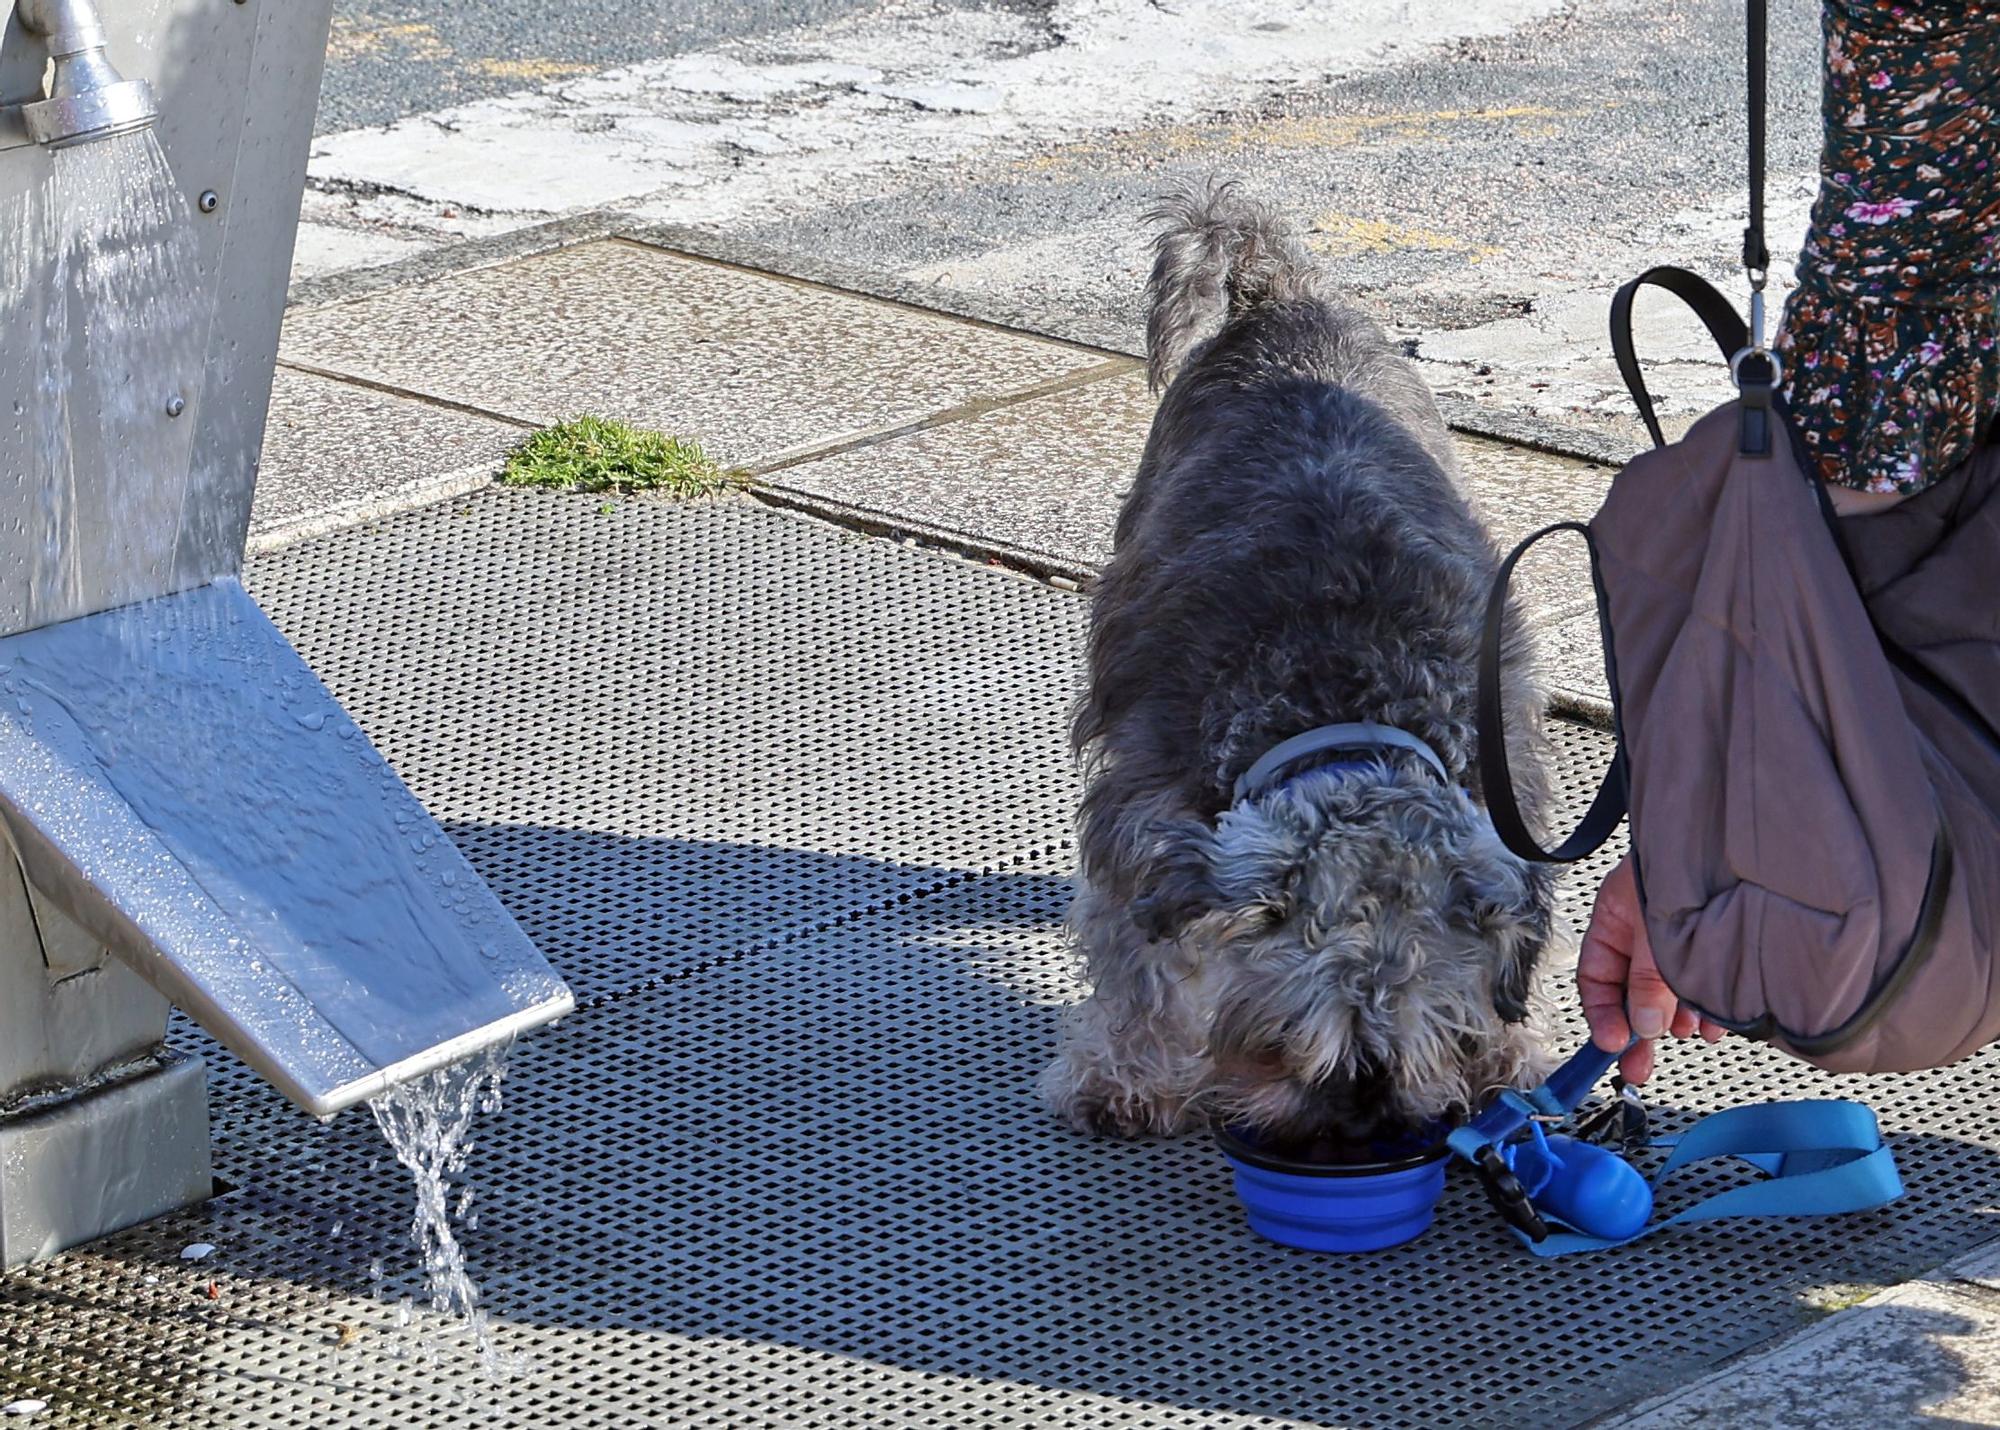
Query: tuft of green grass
x=598, y=454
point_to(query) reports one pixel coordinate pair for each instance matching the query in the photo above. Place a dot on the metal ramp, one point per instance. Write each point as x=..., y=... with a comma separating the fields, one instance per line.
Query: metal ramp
x=177, y=780
x=788, y=809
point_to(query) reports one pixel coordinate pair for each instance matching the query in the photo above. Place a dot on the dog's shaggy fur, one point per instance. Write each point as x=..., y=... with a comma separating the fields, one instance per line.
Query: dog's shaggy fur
x=1347, y=955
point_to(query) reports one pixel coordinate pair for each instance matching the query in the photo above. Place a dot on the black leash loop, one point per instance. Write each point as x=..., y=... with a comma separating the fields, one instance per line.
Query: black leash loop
x=1716, y=312
x=1756, y=257
x=1496, y=776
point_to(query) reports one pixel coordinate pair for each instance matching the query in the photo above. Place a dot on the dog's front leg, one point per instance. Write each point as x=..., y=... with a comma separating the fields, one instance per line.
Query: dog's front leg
x=1133, y=1053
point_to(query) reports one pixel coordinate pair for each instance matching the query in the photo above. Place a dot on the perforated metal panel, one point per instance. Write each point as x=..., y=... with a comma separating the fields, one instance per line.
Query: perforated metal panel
x=788, y=1168
x=671, y=732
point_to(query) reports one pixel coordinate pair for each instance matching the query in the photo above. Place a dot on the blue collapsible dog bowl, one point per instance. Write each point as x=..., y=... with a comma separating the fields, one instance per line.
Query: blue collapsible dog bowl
x=1320, y=1206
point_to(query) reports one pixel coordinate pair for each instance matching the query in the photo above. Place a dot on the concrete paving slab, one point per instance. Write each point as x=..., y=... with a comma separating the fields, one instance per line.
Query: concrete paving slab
x=1519, y=491
x=1977, y=1268
x=335, y=454
x=1919, y=1354
x=1573, y=658
x=324, y=248
x=332, y=239
x=1047, y=476
x=756, y=368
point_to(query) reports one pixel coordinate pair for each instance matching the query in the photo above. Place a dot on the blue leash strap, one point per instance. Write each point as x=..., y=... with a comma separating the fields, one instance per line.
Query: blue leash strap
x=1558, y=1096
x=1820, y=1157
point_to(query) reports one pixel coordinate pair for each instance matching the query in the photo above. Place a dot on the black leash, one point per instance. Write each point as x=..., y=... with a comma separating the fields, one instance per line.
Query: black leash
x=1757, y=374
x=1756, y=370
x=1756, y=257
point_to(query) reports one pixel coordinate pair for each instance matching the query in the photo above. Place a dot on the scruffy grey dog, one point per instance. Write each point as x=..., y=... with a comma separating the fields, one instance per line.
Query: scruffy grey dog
x=1347, y=954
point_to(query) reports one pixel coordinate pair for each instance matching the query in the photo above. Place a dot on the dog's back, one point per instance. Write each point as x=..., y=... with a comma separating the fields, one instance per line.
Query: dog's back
x=1296, y=549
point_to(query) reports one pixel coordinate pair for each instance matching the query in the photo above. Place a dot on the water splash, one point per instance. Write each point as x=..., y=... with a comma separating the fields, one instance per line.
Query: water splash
x=428, y=1123
x=100, y=268
x=101, y=271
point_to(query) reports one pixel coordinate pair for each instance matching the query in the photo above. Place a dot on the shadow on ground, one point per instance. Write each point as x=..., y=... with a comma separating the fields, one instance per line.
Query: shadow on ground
x=816, y=1172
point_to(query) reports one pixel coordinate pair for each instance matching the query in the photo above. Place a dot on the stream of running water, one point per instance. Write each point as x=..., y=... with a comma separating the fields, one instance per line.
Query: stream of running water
x=428, y=1123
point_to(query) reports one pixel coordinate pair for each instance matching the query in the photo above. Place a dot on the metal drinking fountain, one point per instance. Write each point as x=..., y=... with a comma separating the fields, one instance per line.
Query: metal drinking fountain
x=189, y=818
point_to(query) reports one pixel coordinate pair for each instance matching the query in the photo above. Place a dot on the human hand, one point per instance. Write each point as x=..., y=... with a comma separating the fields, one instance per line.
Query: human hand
x=1620, y=985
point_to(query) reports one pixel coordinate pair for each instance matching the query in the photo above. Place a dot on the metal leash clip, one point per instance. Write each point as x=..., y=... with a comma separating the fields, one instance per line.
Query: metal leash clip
x=1756, y=372
x=1553, y=1175
x=1622, y=1120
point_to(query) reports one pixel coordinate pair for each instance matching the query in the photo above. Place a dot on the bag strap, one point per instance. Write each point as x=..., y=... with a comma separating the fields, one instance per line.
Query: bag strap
x=1717, y=314
x=1496, y=776
x=1820, y=1158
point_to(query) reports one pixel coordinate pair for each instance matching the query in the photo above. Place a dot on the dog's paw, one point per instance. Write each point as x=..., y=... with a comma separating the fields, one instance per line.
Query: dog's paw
x=1091, y=1098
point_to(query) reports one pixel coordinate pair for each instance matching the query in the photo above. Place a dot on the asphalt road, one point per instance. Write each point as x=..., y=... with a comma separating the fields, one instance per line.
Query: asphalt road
x=1443, y=184
x=1481, y=186
x=394, y=58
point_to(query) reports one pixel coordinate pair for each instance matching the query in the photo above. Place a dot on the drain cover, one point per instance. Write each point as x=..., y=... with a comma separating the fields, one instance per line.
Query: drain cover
x=790, y=810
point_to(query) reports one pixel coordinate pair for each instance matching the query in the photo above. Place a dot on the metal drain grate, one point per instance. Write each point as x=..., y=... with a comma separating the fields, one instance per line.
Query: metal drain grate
x=790, y=1170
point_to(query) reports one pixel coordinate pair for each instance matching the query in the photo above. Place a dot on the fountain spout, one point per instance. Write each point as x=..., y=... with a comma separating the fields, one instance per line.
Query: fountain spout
x=87, y=98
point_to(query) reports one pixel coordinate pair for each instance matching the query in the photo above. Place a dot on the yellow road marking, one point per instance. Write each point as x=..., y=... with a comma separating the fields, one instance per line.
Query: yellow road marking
x=416, y=41
x=1339, y=233
x=1302, y=132
x=531, y=71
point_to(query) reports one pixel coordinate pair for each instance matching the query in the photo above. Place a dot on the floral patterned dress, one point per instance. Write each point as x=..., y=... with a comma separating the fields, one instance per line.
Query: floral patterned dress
x=1889, y=341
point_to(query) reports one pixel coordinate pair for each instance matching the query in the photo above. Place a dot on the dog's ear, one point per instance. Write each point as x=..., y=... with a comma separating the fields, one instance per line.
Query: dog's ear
x=1254, y=860
x=1511, y=905
x=1178, y=878
x=1233, y=878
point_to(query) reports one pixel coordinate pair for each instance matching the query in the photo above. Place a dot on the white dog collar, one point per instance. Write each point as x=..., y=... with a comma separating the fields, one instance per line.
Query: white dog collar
x=1358, y=735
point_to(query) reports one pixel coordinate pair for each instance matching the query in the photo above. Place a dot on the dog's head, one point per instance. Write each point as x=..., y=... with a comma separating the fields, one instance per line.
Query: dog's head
x=1370, y=946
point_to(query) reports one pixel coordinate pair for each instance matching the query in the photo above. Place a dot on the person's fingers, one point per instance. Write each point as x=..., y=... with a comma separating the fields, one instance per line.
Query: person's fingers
x=1649, y=1003
x=1603, y=961
x=1712, y=1032
x=1619, y=985
x=1604, y=1013
x=1637, y=1064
